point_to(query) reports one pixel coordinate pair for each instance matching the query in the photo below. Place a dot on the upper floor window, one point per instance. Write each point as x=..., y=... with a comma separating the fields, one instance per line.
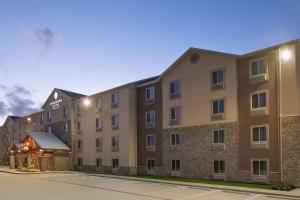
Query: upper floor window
x=115, y=121
x=66, y=127
x=79, y=145
x=175, y=139
x=175, y=115
x=78, y=126
x=115, y=143
x=150, y=119
x=258, y=67
x=42, y=117
x=218, y=106
x=49, y=129
x=98, y=123
x=115, y=99
x=98, y=102
x=219, y=136
x=78, y=108
x=150, y=145
x=65, y=111
x=49, y=115
x=259, y=100
x=259, y=133
x=150, y=94
x=218, y=79
x=98, y=144
x=175, y=88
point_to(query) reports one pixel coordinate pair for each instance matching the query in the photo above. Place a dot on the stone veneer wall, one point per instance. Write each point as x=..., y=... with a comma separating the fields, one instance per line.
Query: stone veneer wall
x=196, y=151
x=62, y=161
x=108, y=170
x=291, y=150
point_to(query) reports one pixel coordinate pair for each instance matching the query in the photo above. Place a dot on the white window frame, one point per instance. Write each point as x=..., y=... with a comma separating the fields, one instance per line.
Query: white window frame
x=257, y=93
x=49, y=115
x=259, y=175
x=65, y=111
x=115, y=143
x=100, y=161
x=114, y=98
x=257, y=60
x=178, y=110
x=100, y=143
x=171, y=139
x=79, y=126
x=113, y=120
x=176, y=167
x=66, y=127
x=99, y=123
x=98, y=103
x=216, y=71
x=212, y=106
x=151, y=94
x=112, y=163
x=152, y=167
x=150, y=147
x=213, y=136
x=219, y=167
x=179, y=87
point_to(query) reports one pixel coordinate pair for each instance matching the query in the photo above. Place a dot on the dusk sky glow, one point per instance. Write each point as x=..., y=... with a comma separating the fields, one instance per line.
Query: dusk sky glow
x=90, y=46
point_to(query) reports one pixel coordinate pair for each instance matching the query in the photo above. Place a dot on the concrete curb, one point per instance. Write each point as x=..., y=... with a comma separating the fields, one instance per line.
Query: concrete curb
x=27, y=173
x=205, y=186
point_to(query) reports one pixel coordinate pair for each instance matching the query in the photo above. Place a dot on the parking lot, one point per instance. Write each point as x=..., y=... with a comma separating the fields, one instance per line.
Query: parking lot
x=83, y=186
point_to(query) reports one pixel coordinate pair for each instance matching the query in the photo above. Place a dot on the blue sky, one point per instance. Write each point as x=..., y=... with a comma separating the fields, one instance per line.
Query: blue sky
x=90, y=46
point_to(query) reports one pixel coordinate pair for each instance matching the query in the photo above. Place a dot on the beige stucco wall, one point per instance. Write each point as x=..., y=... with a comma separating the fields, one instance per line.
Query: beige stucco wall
x=126, y=132
x=196, y=94
x=290, y=80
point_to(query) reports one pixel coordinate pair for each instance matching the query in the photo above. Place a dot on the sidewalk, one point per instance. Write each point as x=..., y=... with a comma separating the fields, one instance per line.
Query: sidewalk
x=6, y=169
x=291, y=194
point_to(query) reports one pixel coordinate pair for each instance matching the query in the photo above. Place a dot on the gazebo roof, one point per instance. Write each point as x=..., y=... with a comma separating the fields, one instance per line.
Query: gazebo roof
x=47, y=141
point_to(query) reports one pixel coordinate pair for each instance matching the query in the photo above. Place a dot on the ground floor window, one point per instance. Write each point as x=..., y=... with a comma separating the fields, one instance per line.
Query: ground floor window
x=260, y=167
x=98, y=162
x=115, y=163
x=150, y=164
x=219, y=166
x=219, y=136
x=79, y=162
x=175, y=165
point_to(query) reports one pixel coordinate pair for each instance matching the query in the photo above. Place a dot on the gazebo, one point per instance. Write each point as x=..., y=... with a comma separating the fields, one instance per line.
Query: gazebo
x=40, y=151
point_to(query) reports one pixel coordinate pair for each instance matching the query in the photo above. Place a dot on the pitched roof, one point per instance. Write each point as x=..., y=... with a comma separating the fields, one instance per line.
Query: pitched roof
x=14, y=117
x=72, y=94
x=48, y=141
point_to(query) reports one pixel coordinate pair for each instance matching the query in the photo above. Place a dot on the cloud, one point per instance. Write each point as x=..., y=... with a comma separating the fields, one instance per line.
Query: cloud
x=17, y=101
x=46, y=37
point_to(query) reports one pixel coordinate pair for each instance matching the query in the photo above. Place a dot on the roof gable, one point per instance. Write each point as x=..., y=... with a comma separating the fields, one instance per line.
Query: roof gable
x=47, y=141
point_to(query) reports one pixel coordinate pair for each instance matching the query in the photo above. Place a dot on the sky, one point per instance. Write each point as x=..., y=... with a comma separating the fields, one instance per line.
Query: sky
x=89, y=46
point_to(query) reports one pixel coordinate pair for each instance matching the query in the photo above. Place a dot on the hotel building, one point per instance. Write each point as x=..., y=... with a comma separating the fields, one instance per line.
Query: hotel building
x=210, y=115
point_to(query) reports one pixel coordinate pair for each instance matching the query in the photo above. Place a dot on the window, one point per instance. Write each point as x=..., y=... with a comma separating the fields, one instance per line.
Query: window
x=98, y=123
x=79, y=145
x=98, y=163
x=98, y=102
x=218, y=106
x=98, y=144
x=175, y=88
x=115, y=121
x=79, y=162
x=115, y=143
x=150, y=94
x=65, y=111
x=260, y=167
x=49, y=115
x=175, y=139
x=259, y=133
x=219, y=166
x=175, y=165
x=258, y=67
x=42, y=117
x=115, y=99
x=259, y=100
x=218, y=78
x=150, y=119
x=115, y=163
x=66, y=127
x=151, y=164
x=49, y=129
x=175, y=115
x=78, y=108
x=219, y=136
x=78, y=126
x=150, y=142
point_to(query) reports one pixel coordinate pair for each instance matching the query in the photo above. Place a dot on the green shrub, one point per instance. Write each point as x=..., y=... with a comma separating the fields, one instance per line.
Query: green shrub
x=282, y=187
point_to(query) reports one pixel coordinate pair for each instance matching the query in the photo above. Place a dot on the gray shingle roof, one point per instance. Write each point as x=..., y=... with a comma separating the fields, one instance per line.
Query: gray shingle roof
x=48, y=141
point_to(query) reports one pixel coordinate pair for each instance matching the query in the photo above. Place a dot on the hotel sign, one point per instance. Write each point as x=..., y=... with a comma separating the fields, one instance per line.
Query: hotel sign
x=55, y=104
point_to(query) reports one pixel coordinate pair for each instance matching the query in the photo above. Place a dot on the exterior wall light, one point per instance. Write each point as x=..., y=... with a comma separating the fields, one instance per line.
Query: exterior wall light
x=286, y=54
x=28, y=119
x=86, y=102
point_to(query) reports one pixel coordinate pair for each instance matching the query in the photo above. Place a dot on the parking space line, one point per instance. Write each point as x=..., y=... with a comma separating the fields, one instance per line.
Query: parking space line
x=201, y=194
x=254, y=197
x=167, y=189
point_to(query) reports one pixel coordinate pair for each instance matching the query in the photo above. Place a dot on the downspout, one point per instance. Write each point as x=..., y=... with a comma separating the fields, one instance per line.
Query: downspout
x=279, y=114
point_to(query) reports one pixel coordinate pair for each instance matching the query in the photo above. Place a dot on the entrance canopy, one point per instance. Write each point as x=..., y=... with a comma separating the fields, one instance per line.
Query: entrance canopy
x=34, y=141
